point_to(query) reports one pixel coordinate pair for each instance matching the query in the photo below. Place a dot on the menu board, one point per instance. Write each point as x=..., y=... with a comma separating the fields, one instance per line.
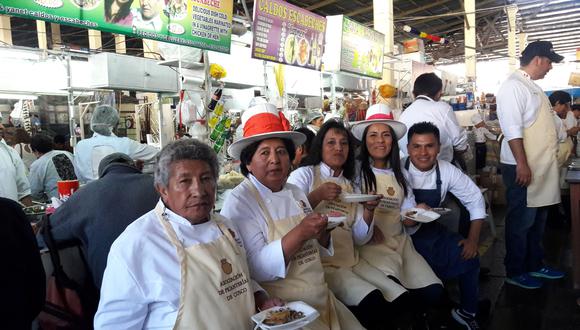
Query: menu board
x=287, y=34
x=204, y=24
x=361, y=49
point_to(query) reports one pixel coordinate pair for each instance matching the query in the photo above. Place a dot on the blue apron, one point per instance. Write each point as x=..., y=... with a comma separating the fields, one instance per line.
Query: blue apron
x=434, y=242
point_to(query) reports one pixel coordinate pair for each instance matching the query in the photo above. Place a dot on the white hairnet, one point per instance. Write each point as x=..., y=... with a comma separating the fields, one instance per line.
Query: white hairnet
x=476, y=119
x=311, y=115
x=104, y=119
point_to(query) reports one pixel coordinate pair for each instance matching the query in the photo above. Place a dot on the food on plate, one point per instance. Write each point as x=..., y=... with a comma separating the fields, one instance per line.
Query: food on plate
x=176, y=8
x=230, y=180
x=289, y=49
x=411, y=214
x=282, y=316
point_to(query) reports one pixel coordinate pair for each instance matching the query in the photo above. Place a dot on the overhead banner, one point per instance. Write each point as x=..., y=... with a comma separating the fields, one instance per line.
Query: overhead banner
x=287, y=34
x=361, y=49
x=204, y=24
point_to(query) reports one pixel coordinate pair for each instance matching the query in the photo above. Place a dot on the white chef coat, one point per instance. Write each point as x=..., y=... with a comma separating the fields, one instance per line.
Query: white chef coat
x=28, y=157
x=569, y=121
x=14, y=184
x=482, y=134
x=560, y=127
x=453, y=181
x=266, y=260
x=517, y=108
x=90, y=152
x=43, y=175
x=142, y=281
x=303, y=178
x=452, y=136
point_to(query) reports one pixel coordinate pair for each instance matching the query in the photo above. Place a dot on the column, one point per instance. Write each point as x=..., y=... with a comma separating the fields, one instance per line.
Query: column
x=55, y=36
x=383, y=22
x=511, y=13
x=5, y=30
x=470, y=45
x=120, y=45
x=41, y=34
x=95, y=41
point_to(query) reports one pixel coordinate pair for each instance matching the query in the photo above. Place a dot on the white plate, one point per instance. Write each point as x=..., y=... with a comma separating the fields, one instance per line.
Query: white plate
x=422, y=216
x=441, y=210
x=310, y=314
x=334, y=222
x=358, y=198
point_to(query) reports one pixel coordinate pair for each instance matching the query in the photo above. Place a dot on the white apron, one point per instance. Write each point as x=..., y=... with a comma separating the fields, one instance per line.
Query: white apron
x=541, y=147
x=396, y=256
x=215, y=289
x=305, y=277
x=348, y=287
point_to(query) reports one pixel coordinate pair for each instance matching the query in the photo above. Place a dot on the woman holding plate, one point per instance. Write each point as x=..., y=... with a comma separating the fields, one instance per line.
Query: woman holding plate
x=327, y=177
x=410, y=280
x=282, y=235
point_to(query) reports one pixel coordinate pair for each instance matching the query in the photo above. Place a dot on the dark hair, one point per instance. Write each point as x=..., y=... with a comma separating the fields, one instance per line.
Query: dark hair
x=367, y=174
x=423, y=128
x=21, y=135
x=309, y=137
x=575, y=107
x=315, y=154
x=427, y=84
x=248, y=153
x=124, y=11
x=59, y=139
x=560, y=97
x=41, y=143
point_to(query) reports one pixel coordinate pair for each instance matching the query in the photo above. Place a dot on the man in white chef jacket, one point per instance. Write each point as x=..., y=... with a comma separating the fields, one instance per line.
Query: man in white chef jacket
x=14, y=183
x=528, y=163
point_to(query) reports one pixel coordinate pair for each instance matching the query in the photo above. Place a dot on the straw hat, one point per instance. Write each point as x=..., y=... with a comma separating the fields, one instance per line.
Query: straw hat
x=261, y=122
x=378, y=114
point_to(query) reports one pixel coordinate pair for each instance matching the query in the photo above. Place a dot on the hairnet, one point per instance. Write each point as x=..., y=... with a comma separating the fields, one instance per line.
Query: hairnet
x=311, y=115
x=476, y=119
x=104, y=119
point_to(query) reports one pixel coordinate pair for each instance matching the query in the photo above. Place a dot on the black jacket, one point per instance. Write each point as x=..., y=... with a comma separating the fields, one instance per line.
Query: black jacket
x=100, y=211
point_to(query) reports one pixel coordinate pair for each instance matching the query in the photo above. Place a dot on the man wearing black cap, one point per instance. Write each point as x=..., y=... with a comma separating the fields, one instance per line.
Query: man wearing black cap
x=101, y=210
x=529, y=167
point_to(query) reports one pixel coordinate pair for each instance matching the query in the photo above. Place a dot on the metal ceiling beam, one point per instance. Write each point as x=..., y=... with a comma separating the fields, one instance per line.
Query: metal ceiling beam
x=407, y=12
x=320, y=4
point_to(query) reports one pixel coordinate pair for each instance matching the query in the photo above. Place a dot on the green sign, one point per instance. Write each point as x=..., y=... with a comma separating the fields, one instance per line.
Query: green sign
x=204, y=24
x=361, y=49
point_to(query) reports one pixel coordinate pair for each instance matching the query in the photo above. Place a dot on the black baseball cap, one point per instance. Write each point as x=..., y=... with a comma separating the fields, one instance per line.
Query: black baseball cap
x=541, y=48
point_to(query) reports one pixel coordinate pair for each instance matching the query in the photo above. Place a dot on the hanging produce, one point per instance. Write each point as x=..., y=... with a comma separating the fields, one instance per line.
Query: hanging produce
x=386, y=91
x=425, y=35
x=217, y=71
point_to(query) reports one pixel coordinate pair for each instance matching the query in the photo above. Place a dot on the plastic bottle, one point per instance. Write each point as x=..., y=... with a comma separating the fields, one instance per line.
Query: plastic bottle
x=220, y=128
x=219, y=143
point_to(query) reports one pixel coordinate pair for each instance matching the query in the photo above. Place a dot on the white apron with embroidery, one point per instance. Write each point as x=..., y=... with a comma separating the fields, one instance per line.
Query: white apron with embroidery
x=348, y=287
x=541, y=147
x=305, y=277
x=215, y=291
x=396, y=256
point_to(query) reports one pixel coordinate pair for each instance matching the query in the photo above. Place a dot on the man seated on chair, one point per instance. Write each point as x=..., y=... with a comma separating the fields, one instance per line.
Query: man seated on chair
x=449, y=254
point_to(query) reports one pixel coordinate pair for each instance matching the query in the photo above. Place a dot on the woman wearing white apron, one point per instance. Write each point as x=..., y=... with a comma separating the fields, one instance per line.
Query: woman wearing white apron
x=283, y=237
x=327, y=173
x=412, y=284
x=179, y=266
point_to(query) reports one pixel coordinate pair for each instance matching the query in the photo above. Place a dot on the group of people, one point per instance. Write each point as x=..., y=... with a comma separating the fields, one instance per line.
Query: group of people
x=181, y=265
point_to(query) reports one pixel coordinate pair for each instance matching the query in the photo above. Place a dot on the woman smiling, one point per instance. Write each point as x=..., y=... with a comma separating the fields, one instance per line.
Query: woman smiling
x=283, y=236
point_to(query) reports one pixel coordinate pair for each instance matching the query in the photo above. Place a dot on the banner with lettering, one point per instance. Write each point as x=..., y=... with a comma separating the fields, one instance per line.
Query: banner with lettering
x=288, y=34
x=204, y=24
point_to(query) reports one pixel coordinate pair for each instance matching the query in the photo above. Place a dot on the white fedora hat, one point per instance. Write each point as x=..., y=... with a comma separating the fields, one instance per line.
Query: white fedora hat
x=260, y=122
x=378, y=114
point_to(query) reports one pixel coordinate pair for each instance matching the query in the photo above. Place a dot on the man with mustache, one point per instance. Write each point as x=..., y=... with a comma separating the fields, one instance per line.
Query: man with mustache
x=146, y=17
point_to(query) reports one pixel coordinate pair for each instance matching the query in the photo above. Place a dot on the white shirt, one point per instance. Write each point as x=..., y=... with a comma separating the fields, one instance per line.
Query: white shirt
x=266, y=260
x=90, y=152
x=28, y=157
x=303, y=178
x=570, y=121
x=453, y=181
x=141, y=284
x=154, y=24
x=14, y=184
x=44, y=176
x=560, y=127
x=517, y=108
x=482, y=134
x=452, y=136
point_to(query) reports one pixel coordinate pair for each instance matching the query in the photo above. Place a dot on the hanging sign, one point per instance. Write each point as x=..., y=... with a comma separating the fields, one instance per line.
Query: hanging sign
x=204, y=24
x=361, y=49
x=287, y=34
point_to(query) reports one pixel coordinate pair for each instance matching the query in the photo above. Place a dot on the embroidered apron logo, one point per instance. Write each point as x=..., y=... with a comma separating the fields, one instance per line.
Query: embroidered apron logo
x=391, y=191
x=226, y=266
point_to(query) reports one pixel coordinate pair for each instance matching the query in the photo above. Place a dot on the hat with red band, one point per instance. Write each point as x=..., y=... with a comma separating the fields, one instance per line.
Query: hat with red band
x=378, y=114
x=262, y=122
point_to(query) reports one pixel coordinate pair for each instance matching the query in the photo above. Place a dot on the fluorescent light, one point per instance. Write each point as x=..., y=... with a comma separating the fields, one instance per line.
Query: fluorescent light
x=17, y=96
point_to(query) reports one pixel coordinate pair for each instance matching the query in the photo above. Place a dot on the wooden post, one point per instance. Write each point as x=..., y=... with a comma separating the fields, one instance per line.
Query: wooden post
x=41, y=34
x=95, y=41
x=55, y=36
x=5, y=30
x=120, y=44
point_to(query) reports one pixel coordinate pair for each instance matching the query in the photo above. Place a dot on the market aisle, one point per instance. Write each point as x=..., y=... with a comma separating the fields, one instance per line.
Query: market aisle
x=552, y=307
